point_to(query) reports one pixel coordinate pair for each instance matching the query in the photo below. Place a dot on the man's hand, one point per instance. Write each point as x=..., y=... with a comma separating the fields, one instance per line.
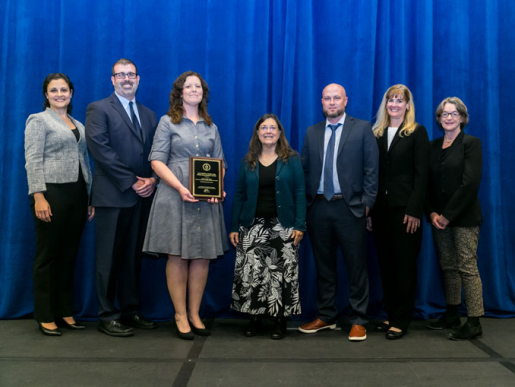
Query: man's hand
x=145, y=186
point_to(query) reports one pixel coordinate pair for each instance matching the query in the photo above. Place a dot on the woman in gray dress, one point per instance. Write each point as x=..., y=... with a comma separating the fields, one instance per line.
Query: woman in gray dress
x=189, y=231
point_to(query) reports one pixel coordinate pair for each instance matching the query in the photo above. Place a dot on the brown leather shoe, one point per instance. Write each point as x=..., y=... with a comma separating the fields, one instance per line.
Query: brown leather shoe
x=315, y=326
x=358, y=333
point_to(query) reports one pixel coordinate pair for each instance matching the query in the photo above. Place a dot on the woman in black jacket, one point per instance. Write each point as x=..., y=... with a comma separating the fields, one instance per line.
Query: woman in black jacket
x=454, y=211
x=396, y=217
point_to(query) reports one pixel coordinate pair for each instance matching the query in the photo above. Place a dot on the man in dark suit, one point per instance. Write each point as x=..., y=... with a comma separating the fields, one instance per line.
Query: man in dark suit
x=340, y=159
x=119, y=134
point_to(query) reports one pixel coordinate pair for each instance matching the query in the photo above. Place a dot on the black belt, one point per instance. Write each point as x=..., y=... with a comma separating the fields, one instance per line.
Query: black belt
x=335, y=197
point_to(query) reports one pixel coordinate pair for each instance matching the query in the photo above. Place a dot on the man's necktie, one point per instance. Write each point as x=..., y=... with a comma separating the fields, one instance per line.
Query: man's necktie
x=135, y=121
x=329, y=160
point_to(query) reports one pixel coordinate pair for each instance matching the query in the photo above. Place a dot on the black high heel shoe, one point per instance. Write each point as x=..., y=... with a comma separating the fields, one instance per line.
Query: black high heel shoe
x=49, y=332
x=199, y=331
x=184, y=336
x=75, y=326
x=279, y=329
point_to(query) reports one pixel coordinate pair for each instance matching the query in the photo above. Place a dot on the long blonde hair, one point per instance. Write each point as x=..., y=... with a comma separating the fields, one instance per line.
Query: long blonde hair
x=383, y=118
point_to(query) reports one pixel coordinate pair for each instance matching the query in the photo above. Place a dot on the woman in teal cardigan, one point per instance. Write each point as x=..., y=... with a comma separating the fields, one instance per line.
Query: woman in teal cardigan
x=268, y=223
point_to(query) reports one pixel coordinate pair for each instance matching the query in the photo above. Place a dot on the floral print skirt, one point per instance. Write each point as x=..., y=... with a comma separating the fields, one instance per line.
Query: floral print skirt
x=266, y=274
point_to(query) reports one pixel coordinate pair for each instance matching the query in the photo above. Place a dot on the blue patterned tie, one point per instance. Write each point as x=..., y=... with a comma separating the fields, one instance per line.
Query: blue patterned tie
x=135, y=121
x=329, y=160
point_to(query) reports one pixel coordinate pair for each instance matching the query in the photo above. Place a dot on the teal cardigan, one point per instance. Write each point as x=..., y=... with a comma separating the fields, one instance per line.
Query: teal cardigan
x=290, y=195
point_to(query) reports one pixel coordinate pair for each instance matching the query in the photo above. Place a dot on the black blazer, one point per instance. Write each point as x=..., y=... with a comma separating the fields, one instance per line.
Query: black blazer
x=118, y=150
x=357, y=163
x=403, y=171
x=454, y=181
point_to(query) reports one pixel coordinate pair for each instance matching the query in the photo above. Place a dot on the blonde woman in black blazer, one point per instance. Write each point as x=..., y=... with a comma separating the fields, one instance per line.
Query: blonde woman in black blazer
x=59, y=179
x=396, y=217
x=454, y=211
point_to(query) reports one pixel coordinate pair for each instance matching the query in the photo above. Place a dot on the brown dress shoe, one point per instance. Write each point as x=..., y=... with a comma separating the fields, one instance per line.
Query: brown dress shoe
x=315, y=326
x=358, y=333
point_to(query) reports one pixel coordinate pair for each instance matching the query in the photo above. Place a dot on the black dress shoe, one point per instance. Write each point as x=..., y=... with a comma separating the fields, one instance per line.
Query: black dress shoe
x=382, y=327
x=137, y=321
x=253, y=326
x=115, y=328
x=467, y=332
x=279, y=329
x=184, y=336
x=445, y=323
x=49, y=332
x=394, y=335
x=199, y=331
x=76, y=326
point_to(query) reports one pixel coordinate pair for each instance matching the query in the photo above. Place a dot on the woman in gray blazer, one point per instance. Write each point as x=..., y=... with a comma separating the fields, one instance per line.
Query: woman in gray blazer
x=59, y=179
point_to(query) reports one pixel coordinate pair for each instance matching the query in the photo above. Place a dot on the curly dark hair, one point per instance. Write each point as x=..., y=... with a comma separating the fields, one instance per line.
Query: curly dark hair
x=176, y=110
x=282, y=148
x=53, y=77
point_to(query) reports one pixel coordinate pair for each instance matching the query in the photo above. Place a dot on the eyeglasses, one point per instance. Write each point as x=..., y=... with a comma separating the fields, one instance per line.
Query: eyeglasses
x=453, y=114
x=123, y=75
x=269, y=128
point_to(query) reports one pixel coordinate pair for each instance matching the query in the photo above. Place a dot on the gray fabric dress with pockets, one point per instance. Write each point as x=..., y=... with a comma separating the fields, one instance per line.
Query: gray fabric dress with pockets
x=188, y=230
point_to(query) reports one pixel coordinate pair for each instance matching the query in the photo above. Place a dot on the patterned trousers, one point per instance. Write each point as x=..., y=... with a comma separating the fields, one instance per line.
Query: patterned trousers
x=457, y=251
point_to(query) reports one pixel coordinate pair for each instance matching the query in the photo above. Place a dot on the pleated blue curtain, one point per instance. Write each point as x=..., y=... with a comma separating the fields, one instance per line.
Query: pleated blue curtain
x=264, y=56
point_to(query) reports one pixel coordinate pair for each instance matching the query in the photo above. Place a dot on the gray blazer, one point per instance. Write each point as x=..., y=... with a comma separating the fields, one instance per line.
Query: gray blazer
x=52, y=154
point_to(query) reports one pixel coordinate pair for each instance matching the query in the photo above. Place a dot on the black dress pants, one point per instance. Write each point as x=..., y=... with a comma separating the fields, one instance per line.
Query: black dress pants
x=57, y=244
x=331, y=225
x=119, y=242
x=397, y=253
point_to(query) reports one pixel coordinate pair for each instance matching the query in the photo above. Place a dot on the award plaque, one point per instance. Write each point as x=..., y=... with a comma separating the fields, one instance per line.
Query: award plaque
x=206, y=178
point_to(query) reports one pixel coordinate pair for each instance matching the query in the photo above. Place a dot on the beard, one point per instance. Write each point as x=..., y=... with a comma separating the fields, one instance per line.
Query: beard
x=337, y=113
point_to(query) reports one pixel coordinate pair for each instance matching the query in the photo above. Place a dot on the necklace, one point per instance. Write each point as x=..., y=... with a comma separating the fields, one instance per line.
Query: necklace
x=447, y=141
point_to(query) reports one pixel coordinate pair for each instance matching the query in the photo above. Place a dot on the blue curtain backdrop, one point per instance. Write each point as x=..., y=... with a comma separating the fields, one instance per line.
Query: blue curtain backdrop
x=264, y=56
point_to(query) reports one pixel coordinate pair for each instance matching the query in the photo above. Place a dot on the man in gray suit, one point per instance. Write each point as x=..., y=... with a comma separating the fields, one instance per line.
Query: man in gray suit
x=119, y=133
x=340, y=159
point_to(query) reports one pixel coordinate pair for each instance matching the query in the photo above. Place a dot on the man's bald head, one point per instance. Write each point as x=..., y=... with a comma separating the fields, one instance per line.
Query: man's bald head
x=334, y=101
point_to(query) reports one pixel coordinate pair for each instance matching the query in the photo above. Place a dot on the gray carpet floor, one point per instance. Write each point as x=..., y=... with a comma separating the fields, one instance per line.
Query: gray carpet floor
x=227, y=358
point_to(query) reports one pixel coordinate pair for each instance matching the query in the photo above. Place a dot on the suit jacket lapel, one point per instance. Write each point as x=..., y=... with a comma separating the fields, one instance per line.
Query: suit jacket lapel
x=320, y=138
x=455, y=145
x=396, y=138
x=345, y=133
x=383, y=141
x=117, y=105
x=144, y=124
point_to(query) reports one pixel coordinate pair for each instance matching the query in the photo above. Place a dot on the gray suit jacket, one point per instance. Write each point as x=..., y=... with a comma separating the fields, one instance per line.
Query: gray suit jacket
x=52, y=154
x=357, y=163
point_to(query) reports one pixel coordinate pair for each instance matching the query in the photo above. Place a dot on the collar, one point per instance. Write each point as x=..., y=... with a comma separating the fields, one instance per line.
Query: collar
x=341, y=121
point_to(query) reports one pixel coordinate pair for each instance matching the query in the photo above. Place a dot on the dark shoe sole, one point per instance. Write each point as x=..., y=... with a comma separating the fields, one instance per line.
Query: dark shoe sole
x=472, y=337
x=149, y=327
x=115, y=334
x=50, y=332
x=442, y=328
x=275, y=336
